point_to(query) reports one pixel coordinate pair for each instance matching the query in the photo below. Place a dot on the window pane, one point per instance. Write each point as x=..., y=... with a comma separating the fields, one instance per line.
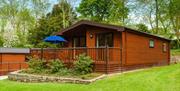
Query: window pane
x=76, y=42
x=101, y=40
x=79, y=42
x=164, y=47
x=82, y=42
x=151, y=43
x=109, y=38
x=105, y=39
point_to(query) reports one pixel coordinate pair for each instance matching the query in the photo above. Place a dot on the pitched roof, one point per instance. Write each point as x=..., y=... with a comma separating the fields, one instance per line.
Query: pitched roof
x=108, y=26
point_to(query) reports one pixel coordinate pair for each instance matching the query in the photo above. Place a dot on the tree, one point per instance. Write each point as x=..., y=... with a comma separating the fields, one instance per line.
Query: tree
x=65, y=12
x=53, y=22
x=40, y=7
x=174, y=14
x=1, y=39
x=142, y=27
x=103, y=10
x=20, y=16
x=18, y=19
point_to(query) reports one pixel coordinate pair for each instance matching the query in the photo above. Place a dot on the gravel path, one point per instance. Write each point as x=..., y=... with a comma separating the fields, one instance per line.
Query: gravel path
x=3, y=77
x=175, y=59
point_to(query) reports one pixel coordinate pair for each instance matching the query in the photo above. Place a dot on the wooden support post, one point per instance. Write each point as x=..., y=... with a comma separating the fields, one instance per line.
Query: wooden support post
x=107, y=59
x=8, y=67
x=20, y=66
x=41, y=53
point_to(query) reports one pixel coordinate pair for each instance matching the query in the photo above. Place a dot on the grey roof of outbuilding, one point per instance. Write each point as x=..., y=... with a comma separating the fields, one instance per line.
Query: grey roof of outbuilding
x=14, y=50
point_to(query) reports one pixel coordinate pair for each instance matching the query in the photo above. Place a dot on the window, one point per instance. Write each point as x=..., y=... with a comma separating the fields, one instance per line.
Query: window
x=82, y=41
x=164, y=47
x=104, y=39
x=109, y=39
x=151, y=43
x=75, y=42
x=79, y=42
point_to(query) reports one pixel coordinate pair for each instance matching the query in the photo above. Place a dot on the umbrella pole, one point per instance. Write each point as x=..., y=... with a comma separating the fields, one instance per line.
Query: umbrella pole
x=41, y=53
x=55, y=54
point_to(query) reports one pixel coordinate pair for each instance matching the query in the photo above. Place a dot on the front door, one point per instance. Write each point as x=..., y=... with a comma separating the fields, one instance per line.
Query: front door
x=79, y=42
x=103, y=40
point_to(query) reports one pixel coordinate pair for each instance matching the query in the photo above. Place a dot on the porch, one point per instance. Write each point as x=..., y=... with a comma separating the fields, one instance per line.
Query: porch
x=106, y=59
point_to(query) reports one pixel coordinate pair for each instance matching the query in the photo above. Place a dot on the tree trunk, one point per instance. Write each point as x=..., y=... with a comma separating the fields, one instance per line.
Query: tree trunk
x=157, y=18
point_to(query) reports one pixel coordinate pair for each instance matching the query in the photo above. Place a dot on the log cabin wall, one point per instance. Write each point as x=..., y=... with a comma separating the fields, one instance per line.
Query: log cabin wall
x=139, y=53
x=12, y=62
x=11, y=59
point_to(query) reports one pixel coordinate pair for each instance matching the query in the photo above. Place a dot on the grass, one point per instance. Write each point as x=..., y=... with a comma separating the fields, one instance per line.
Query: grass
x=175, y=52
x=165, y=78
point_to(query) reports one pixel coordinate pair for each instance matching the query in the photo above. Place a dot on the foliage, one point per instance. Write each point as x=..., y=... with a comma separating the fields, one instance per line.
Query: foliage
x=60, y=17
x=17, y=19
x=83, y=65
x=65, y=72
x=142, y=27
x=55, y=65
x=175, y=52
x=37, y=65
x=1, y=40
x=40, y=66
x=103, y=10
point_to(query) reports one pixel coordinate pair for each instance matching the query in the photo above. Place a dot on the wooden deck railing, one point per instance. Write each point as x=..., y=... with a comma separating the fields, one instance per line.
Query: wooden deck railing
x=64, y=54
x=104, y=57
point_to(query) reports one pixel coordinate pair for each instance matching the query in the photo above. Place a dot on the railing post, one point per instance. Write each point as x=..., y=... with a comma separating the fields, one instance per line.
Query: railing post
x=55, y=53
x=8, y=67
x=41, y=53
x=107, y=59
x=70, y=57
x=20, y=65
x=121, y=63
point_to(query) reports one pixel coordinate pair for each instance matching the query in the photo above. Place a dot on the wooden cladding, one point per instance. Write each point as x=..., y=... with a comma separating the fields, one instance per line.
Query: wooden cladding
x=139, y=51
x=11, y=62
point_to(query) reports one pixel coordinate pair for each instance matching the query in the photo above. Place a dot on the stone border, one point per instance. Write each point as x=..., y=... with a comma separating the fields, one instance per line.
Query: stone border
x=16, y=76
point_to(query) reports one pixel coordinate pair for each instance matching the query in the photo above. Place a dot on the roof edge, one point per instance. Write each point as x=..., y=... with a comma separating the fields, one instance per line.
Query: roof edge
x=148, y=34
x=105, y=25
x=92, y=23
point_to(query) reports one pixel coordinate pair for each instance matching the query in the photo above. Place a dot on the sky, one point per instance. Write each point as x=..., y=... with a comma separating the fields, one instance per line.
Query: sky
x=75, y=2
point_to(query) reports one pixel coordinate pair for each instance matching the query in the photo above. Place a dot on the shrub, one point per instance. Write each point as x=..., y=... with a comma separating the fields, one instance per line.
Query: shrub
x=83, y=65
x=65, y=72
x=56, y=65
x=37, y=65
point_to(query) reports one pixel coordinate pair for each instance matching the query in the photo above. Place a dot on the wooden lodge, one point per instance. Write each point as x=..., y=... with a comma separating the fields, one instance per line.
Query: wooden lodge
x=113, y=48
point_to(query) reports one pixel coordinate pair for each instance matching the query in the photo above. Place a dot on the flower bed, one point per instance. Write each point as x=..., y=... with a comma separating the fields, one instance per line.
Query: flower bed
x=22, y=77
x=55, y=71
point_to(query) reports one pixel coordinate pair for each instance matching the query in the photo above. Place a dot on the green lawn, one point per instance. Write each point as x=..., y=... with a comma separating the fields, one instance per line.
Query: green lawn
x=175, y=52
x=155, y=79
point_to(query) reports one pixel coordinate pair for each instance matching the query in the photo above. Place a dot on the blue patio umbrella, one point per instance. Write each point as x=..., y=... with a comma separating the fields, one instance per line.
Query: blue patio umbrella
x=54, y=39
